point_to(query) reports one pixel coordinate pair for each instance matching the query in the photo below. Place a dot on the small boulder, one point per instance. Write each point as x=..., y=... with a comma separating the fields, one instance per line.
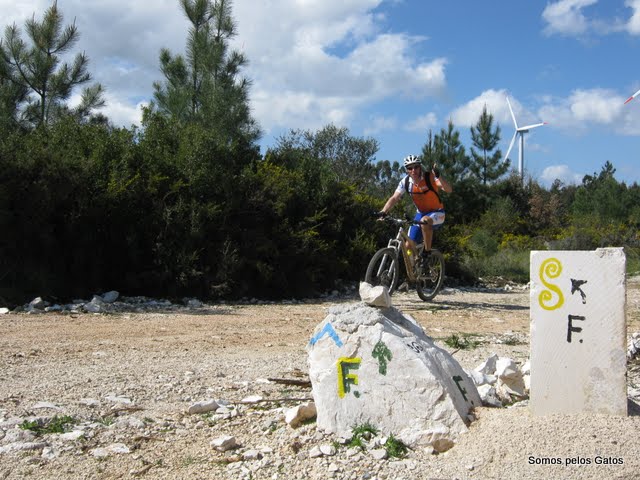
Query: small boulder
x=297, y=415
x=203, y=407
x=37, y=304
x=375, y=296
x=225, y=443
x=110, y=297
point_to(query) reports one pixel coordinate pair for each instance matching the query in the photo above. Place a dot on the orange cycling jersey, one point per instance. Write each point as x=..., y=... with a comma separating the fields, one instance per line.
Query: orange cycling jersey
x=426, y=199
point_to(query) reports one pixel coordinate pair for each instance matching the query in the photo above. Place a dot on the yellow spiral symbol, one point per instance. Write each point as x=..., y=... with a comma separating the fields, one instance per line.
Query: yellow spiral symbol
x=550, y=268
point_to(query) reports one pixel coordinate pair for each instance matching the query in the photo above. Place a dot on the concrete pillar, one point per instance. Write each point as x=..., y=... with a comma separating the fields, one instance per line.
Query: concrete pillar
x=578, y=332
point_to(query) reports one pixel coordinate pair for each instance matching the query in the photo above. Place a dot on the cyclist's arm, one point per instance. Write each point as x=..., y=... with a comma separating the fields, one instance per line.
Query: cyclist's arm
x=442, y=184
x=393, y=199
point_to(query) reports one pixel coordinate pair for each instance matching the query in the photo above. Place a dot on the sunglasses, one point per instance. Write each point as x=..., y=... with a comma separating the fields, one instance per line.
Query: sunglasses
x=412, y=167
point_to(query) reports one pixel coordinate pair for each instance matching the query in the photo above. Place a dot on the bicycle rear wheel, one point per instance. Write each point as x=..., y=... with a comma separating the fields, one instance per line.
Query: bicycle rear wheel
x=430, y=276
x=383, y=269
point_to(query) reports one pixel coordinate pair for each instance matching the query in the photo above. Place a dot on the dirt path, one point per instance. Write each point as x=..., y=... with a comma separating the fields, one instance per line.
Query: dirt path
x=130, y=377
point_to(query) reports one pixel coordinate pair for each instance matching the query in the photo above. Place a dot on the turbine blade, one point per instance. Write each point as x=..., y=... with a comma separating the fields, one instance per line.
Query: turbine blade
x=632, y=97
x=511, y=144
x=512, y=115
x=529, y=127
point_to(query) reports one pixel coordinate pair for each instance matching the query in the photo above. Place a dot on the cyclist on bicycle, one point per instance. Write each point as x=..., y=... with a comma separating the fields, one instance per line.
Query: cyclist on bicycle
x=423, y=187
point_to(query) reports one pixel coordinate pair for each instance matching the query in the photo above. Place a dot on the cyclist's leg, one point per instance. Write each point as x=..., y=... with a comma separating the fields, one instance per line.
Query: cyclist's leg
x=415, y=239
x=430, y=221
x=415, y=233
x=426, y=225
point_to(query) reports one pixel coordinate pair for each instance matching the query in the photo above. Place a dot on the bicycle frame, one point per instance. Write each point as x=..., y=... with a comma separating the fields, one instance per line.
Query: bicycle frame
x=398, y=244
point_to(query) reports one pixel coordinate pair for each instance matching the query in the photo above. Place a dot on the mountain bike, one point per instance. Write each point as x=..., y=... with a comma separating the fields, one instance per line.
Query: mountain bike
x=426, y=274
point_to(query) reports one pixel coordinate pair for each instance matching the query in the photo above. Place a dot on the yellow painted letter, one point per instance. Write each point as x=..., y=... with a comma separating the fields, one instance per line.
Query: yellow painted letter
x=344, y=378
x=550, y=268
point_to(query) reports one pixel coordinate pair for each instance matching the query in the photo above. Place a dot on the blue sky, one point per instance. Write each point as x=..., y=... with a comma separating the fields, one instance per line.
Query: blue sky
x=394, y=69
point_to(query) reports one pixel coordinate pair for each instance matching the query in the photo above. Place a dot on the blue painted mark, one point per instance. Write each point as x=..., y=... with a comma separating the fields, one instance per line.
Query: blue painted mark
x=328, y=330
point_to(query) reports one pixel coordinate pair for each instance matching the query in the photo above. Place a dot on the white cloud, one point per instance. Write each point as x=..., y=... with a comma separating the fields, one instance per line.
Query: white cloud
x=633, y=25
x=469, y=113
x=122, y=40
x=379, y=123
x=299, y=110
x=495, y=101
x=592, y=108
x=123, y=114
x=312, y=62
x=422, y=123
x=562, y=173
x=334, y=54
x=17, y=11
x=597, y=106
x=565, y=17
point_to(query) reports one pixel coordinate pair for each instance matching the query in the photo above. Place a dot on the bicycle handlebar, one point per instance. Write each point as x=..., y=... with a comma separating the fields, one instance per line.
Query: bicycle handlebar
x=398, y=221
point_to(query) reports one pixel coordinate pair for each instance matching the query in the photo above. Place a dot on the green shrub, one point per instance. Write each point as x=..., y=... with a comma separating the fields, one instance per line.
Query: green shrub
x=482, y=244
x=362, y=432
x=509, y=265
x=53, y=425
x=464, y=342
x=395, y=448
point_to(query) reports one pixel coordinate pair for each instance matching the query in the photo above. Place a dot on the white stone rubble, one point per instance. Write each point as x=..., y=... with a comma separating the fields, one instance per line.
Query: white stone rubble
x=108, y=302
x=500, y=381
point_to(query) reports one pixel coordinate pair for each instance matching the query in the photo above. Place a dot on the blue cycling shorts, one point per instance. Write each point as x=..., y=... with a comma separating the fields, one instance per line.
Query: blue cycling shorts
x=415, y=232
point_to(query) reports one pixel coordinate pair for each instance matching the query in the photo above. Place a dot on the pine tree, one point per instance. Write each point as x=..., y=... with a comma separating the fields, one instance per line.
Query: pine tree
x=448, y=152
x=204, y=86
x=11, y=96
x=429, y=154
x=34, y=82
x=486, y=166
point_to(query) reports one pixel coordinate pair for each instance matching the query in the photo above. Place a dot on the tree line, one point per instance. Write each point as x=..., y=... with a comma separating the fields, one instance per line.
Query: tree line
x=186, y=204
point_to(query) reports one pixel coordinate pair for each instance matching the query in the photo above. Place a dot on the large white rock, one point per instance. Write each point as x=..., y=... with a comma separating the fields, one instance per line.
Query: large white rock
x=377, y=366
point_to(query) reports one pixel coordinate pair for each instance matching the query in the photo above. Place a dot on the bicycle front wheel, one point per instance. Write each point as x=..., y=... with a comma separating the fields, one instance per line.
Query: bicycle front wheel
x=430, y=276
x=383, y=269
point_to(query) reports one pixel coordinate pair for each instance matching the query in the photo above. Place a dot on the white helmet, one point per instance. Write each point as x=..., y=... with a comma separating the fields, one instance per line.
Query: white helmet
x=411, y=160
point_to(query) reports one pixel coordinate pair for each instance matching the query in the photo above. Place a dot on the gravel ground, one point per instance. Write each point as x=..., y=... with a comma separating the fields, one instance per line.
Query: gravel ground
x=126, y=380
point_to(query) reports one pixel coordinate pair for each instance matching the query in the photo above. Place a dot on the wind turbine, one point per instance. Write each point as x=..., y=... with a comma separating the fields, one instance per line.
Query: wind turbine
x=520, y=131
x=632, y=97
